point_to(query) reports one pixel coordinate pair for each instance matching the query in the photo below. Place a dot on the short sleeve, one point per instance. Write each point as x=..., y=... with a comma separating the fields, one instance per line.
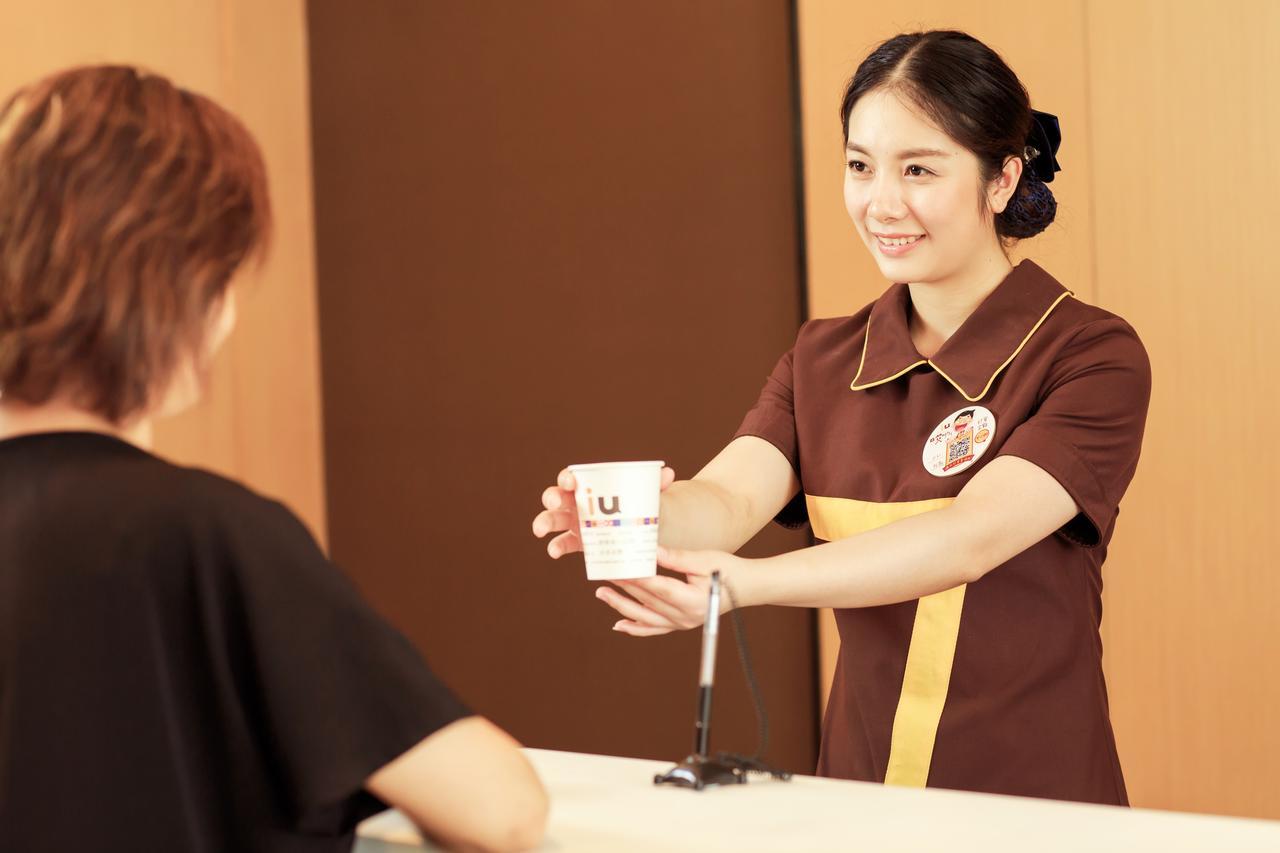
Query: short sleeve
x=337, y=690
x=1087, y=429
x=773, y=418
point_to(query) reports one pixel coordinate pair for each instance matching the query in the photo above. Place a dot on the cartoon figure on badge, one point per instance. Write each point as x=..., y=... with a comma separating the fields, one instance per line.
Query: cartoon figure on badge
x=959, y=441
x=960, y=444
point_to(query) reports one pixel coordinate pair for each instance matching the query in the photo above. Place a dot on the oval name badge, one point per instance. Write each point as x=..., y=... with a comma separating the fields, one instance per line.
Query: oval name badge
x=959, y=441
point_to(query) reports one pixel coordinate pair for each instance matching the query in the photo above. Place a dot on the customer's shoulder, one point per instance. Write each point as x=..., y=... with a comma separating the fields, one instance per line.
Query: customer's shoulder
x=230, y=522
x=190, y=495
x=225, y=499
x=95, y=499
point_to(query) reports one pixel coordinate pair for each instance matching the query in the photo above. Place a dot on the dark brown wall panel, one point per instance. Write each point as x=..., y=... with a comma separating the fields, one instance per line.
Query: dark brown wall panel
x=550, y=232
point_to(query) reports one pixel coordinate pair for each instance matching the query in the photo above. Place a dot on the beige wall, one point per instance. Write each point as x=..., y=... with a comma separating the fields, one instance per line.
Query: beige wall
x=1166, y=208
x=261, y=423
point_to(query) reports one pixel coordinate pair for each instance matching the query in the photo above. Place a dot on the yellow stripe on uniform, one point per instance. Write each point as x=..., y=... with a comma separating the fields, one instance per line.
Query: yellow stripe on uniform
x=924, y=687
x=840, y=518
x=933, y=636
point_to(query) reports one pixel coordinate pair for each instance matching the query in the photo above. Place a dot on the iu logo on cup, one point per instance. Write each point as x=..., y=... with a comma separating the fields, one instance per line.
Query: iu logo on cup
x=595, y=506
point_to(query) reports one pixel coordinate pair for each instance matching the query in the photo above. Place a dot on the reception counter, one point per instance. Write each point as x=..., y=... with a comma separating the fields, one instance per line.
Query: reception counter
x=601, y=803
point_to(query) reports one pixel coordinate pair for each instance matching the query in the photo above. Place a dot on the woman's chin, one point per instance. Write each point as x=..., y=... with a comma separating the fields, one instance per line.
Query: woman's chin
x=899, y=269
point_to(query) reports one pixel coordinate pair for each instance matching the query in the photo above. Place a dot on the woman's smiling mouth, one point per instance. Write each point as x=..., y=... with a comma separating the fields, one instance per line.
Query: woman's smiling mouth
x=897, y=245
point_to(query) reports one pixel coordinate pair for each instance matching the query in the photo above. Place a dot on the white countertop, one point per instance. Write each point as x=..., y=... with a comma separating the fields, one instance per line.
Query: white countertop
x=603, y=803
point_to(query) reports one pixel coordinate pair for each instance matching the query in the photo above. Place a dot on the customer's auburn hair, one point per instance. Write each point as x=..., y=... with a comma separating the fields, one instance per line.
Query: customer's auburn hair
x=126, y=205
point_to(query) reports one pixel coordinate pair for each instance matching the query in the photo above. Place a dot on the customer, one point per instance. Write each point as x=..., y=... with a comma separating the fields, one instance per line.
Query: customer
x=181, y=669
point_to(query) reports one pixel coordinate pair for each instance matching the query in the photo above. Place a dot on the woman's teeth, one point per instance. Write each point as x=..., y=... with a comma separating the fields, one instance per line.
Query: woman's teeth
x=898, y=241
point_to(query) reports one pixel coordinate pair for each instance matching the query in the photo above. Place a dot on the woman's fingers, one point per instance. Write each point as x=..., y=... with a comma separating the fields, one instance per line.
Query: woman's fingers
x=665, y=605
x=566, y=480
x=565, y=543
x=671, y=589
x=635, y=629
x=554, y=497
x=551, y=521
x=632, y=609
x=685, y=597
x=690, y=562
x=668, y=477
x=560, y=515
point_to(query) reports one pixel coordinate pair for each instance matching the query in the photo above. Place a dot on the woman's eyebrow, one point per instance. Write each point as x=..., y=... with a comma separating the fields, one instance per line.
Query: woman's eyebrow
x=902, y=155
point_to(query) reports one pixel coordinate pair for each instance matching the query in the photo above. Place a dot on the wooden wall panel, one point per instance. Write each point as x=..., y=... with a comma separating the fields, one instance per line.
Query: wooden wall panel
x=261, y=422
x=1185, y=185
x=551, y=232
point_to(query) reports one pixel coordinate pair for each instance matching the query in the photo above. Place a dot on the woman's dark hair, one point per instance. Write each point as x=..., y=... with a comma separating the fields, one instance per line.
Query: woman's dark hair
x=969, y=92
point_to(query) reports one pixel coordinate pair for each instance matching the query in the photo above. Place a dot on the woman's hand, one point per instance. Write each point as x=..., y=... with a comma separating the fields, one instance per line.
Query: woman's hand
x=661, y=604
x=561, y=513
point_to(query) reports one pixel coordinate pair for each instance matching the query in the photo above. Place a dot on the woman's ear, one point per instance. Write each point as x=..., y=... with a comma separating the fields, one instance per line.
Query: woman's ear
x=1001, y=189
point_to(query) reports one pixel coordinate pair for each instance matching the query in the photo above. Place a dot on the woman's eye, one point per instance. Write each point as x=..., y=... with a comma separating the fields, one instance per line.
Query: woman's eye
x=857, y=166
x=923, y=171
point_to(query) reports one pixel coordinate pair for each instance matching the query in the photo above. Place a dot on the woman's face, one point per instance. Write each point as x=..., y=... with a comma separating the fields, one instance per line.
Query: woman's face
x=906, y=178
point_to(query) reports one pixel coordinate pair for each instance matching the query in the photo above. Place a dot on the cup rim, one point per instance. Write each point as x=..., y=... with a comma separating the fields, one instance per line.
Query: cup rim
x=590, y=466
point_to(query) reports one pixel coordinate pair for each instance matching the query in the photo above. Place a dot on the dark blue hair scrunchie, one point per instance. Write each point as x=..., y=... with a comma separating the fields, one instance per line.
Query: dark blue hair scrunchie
x=1030, y=210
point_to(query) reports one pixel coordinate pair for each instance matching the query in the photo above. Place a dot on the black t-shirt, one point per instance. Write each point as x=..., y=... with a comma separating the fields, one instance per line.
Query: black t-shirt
x=180, y=666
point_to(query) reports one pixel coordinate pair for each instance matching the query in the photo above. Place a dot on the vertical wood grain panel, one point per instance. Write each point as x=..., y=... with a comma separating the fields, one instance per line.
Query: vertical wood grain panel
x=261, y=421
x=1185, y=129
x=551, y=232
x=275, y=359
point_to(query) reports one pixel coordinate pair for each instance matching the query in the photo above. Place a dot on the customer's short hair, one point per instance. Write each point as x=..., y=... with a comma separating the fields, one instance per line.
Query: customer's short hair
x=126, y=205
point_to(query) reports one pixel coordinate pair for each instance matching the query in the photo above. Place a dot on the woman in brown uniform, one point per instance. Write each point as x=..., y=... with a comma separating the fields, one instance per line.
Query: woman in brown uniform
x=960, y=446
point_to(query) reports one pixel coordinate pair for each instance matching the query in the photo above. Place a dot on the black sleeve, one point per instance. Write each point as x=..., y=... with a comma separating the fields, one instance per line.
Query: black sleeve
x=338, y=690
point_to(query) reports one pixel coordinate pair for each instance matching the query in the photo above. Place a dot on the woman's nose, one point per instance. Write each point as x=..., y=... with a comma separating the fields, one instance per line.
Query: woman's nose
x=886, y=201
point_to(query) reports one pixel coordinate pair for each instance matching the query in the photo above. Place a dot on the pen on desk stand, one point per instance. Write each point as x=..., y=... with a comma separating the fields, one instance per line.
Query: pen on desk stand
x=710, y=632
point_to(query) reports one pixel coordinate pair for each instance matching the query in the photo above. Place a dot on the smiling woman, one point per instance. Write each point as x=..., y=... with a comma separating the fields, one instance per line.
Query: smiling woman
x=960, y=447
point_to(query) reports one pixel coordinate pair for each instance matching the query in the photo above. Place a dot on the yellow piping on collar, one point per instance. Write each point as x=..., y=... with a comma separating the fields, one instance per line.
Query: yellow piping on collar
x=866, y=336
x=856, y=387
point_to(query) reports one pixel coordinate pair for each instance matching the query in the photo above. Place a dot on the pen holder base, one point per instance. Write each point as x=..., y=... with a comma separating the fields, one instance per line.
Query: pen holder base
x=700, y=771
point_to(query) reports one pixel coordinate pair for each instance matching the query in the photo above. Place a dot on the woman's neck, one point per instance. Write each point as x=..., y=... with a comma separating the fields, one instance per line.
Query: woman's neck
x=18, y=418
x=938, y=308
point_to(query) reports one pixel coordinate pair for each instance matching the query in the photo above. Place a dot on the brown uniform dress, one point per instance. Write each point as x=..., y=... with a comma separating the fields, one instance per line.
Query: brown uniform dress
x=996, y=685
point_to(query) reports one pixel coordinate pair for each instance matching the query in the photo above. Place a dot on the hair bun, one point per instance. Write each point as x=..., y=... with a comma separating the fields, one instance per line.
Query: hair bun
x=1030, y=211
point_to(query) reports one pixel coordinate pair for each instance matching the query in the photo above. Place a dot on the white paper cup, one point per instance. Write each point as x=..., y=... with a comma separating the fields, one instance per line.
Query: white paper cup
x=618, y=518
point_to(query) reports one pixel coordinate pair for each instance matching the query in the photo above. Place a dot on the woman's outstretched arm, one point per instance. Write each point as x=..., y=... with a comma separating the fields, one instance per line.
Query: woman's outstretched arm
x=722, y=507
x=1006, y=508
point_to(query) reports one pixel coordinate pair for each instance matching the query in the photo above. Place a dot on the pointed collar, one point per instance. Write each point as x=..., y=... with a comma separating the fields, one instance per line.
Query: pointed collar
x=974, y=355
